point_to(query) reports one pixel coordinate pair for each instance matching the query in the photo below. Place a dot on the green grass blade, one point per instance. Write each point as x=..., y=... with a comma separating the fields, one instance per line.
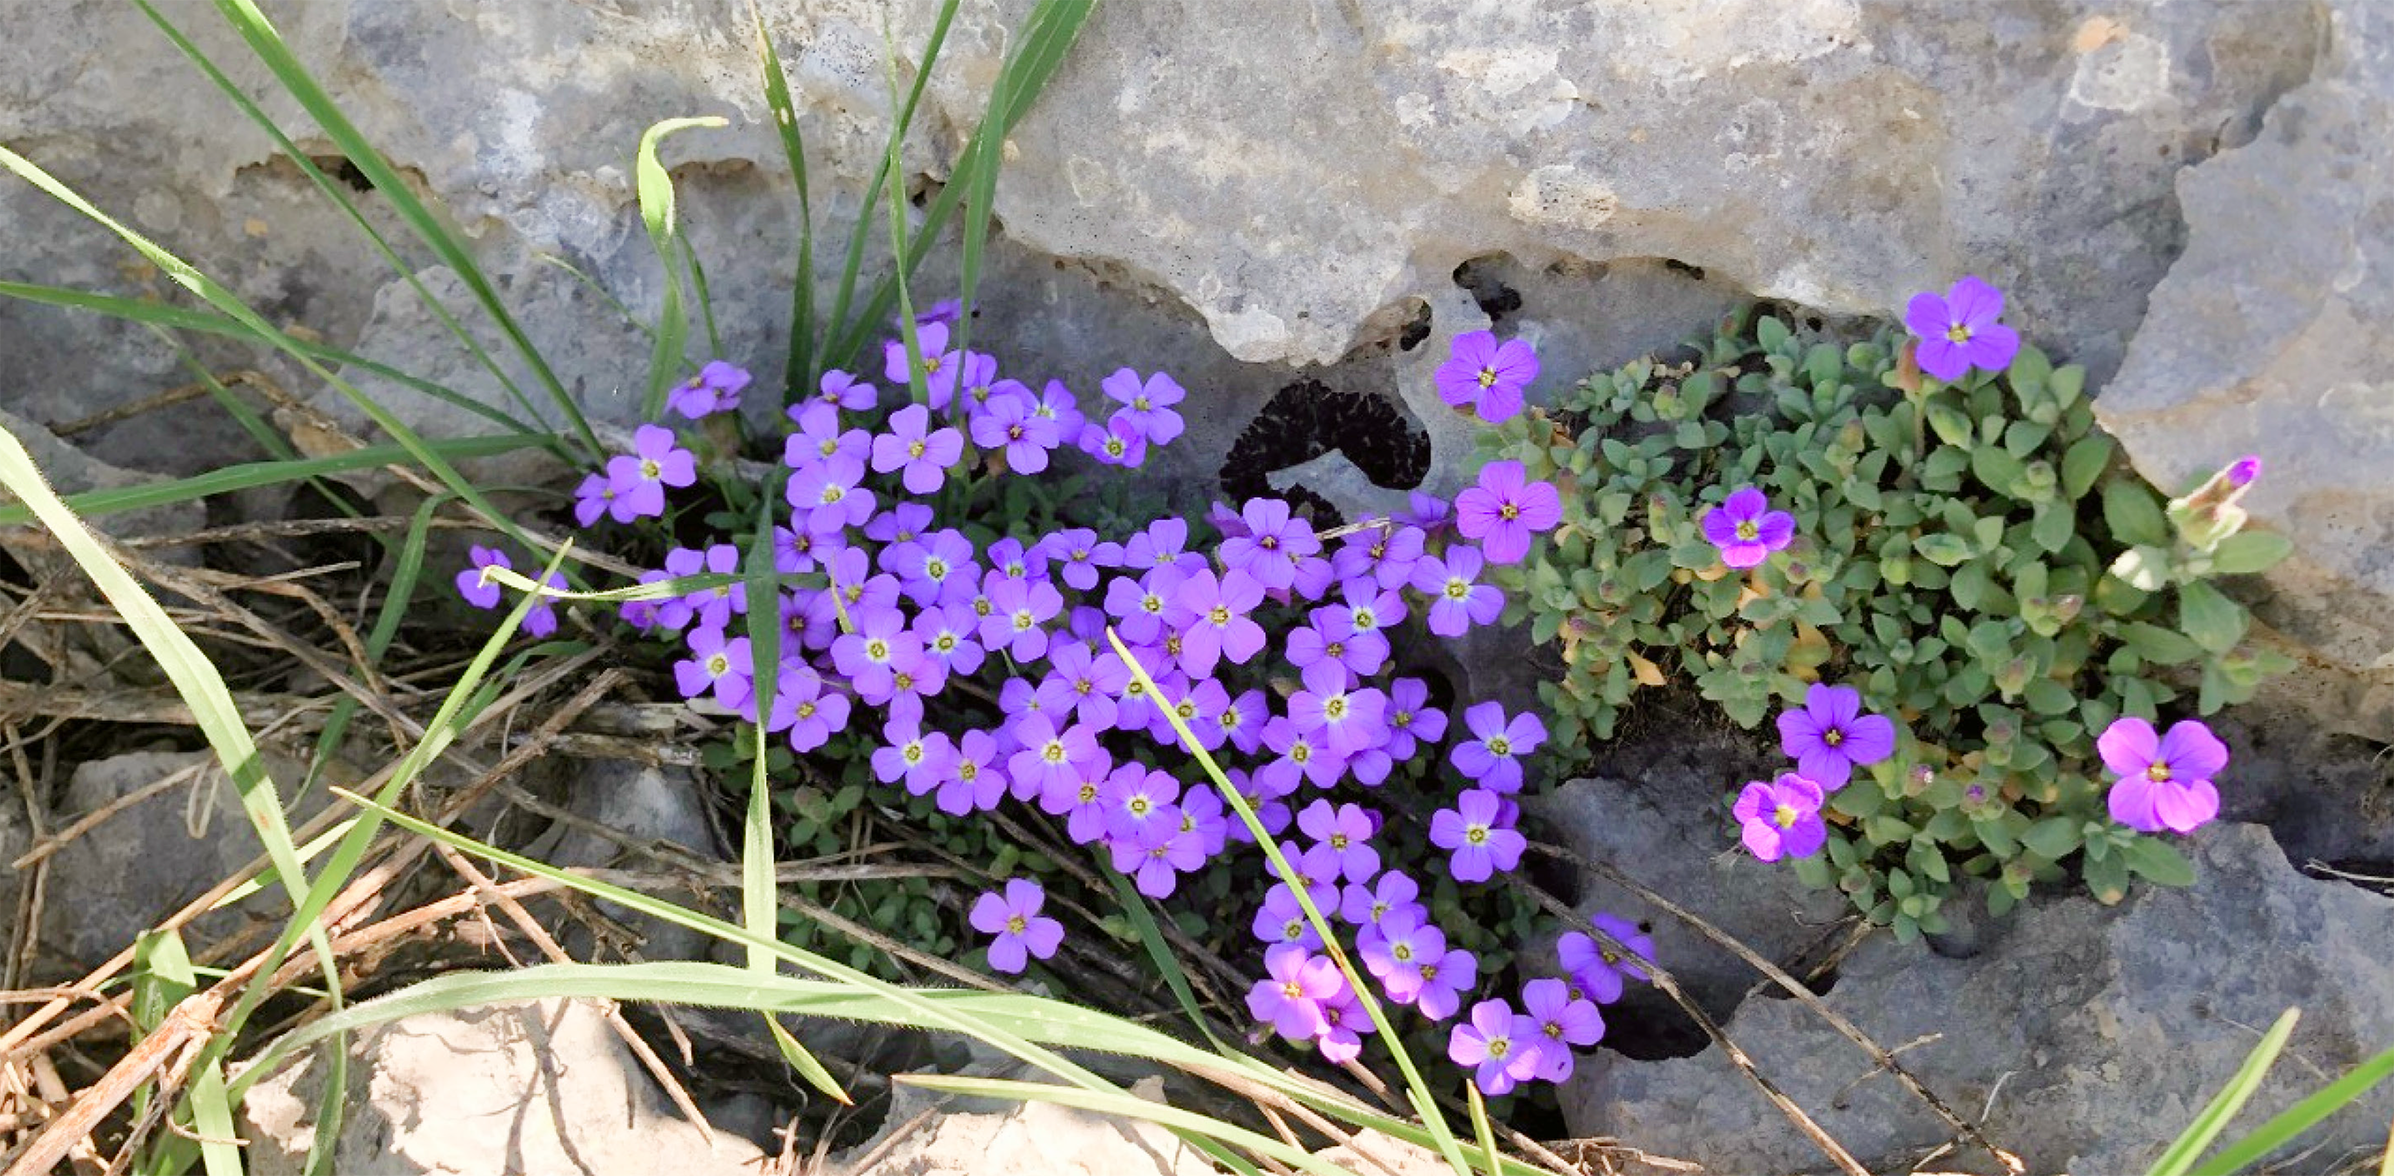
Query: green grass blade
x=1048, y=33
x=2180, y=1157
x=842, y=353
x=698, y=286
x=445, y=243
x=117, y=499
x=159, y=314
x=2301, y=1117
x=340, y=199
x=667, y=359
x=1481, y=1128
x=184, y=275
x=212, y=1115
x=1159, y=952
x=798, y=372
x=1418, y=1090
x=406, y=570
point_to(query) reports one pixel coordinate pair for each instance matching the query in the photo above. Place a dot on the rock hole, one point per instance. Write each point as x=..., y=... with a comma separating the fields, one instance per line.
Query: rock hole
x=325, y=500
x=1307, y=419
x=1479, y=276
x=1680, y=267
x=1416, y=328
x=340, y=168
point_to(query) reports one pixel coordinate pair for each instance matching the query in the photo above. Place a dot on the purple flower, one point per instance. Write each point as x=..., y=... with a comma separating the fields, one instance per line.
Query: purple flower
x=1411, y=719
x=1958, y=331
x=716, y=388
x=871, y=656
x=1290, y=998
x=1347, y=831
x=1018, y=614
x=1395, y=947
x=1781, y=818
x=1144, y=606
x=2164, y=782
x=1426, y=511
x=920, y=758
x=1386, y=554
x=807, y=711
x=1366, y=903
x=1273, y=544
x=826, y=496
x=1147, y=405
x=1487, y=376
x=839, y=389
x=1444, y=980
x=819, y=437
x=1301, y=757
x=912, y=445
x=1202, y=817
x=1475, y=832
x=975, y=783
x=1830, y=736
x=1078, y=796
x=1492, y=757
x=1331, y=639
x=1163, y=544
x=1344, y=721
x=1558, y=1019
x=1138, y=803
x=1020, y=929
x=1282, y=919
x=1011, y=424
x=940, y=365
x=719, y=667
x=712, y=608
x=1343, y=1023
x=1505, y=511
x=1746, y=529
x=936, y=568
x=2244, y=471
x=1488, y=1045
x=1074, y=553
x=903, y=522
x=1054, y=403
x=474, y=584
x=1082, y=684
x=1051, y=759
x=1457, y=599
x=1597, y=971
x=1224, y=624
x=593, y=499
x=641, y=476
x=1116, y=442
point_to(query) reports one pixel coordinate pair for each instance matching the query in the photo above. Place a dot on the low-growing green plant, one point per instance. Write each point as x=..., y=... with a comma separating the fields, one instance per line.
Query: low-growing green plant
x=1972, y=557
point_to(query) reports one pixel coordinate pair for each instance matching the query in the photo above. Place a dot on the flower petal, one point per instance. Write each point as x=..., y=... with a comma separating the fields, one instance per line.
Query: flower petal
x=2128, y=747
x=1943, y=358
x=1746, y=502
x=1927, y=315
x=1761, y=839
x=1869, y=739
x=1992, y=347
x=2131, y=804
x=2192, y=751
x=2185, y=808
x=1975, y=303
x=1825, y=766
x=1776, y=529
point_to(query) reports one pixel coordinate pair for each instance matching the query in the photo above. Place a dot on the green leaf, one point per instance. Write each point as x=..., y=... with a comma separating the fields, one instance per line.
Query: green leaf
x=666, y=360
x=2055, y=524
x=2209, y=618
x=1950, y=425
x=2052, y=838
x=2283, y=1128
x=2158, y=861
x=2086, y=460
x=2246, y=552
x=1942, y=549
x=2132, y=515
x=2156, y=644
x=1996, y=468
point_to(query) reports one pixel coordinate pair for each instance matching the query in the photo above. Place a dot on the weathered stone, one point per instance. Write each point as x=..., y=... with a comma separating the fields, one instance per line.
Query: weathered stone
x=644, y=806
x=143, y=863
x=523, y=1090
x=1025, y=1139
x=2273, y=335
x=2094, y=1034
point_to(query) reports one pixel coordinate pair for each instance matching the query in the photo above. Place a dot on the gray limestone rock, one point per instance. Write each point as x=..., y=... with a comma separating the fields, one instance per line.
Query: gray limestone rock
x=2273, y=334
x=1024, y=1139
x=524, y=1090
x=2094, y=1033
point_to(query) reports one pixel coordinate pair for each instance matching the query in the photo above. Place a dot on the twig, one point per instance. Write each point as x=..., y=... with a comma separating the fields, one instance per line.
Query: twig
x=1793, y=987
x=45, y=847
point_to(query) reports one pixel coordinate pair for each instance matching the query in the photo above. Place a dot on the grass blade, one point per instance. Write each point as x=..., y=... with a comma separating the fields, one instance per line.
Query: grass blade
x=117, y=499
x=2301, y=1117
x=2180, y=1157
x=667, y=359
x=1128, y=1106
x=842, y=353
x=159, y=314
x=332, y=191
x=184, y=275
x=270, y=48
x=1419, y=1091
x=798, y=372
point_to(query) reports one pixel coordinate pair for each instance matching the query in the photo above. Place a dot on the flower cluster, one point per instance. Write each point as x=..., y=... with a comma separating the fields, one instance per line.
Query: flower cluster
x=1828, y=737
x=974, y=670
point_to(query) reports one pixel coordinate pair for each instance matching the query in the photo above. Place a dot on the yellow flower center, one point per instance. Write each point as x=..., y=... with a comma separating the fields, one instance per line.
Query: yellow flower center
x=1476, y=834
x=1487, y=377
x=1958, y=333
x=1402, y=952
x=650, y=470
x=877, y=649
x=1832, y=737
x=1500, y=746
x=1785, y=816
x=1334, y=709
x=1220, y=617
x=2159, y=772
x=914, y=448
x=1053, y=752
x=718, y=665
x=1509, y=512
x=1015, y=924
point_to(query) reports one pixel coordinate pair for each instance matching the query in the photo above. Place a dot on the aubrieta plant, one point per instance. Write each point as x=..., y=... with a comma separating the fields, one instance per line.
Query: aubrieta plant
x=1919, y=559
x=919, y=639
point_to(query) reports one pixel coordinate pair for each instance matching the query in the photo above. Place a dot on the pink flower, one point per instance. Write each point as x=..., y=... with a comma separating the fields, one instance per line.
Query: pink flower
x=2165, y=781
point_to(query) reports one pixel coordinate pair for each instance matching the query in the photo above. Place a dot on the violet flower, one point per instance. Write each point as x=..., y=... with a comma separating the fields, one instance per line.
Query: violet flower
x=1009, y=425
x=1487, y=376
x=1506, y=510
x=1781, y=818
x=1958, y=331
x=2165, y=782
x=1444, y=980
x=1117, y=442
x=1492, y=757
x=1829, y=736
x=1457, y=599
x=1488, y=1045
x=1346, y=830
x=1366, y=903
x=718, y=667
x=641, y=476
x=1412, y=721
x=1557, y=1019
x=913, y=446
x=1020, y=929
x=593, y=500
x=1273, y=544
x=1595, y=968
x=1746, y=529
x=1395, y=947
x=1474, y=833
x=474, y=584
x=716, y=388
x=1290, y=997
x=1147, y=405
